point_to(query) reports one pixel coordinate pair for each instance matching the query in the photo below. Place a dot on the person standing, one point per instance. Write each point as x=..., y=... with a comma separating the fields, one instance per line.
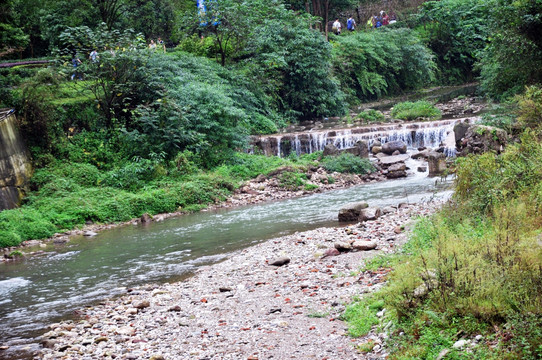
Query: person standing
x=162, y=44
x=351, y=24
x=337, y=27
x=94, y=56
x=75, y=63
x=385, y=19
x=152, y=45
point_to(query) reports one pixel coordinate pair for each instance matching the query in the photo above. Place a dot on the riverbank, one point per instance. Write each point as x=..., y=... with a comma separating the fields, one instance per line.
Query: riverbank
x=244, y=307
x=255, y=191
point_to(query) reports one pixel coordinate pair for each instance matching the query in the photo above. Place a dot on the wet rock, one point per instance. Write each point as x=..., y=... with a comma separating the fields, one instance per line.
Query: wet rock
x=364, y=245
x=480, y=139
x=371, y=213
x=396, y=171
x=392, y=146
x=330, y=150
x=60, y=240
x=420, y=155
x=422, y=168
x=351, y=211
x=224, y=289
x=90, y=233
x=145, y=218
x=280, y=261
x=436, y=162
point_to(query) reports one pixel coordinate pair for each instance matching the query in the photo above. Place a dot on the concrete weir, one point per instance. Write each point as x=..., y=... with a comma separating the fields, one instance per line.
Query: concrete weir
x=429, y=134
x=15, y=165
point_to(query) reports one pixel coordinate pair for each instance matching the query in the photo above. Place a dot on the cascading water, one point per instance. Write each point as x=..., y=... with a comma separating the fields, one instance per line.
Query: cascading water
x=414, y=135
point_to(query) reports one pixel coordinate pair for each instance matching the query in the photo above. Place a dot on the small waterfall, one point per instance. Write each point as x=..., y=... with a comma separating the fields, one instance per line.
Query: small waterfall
x=414, y=135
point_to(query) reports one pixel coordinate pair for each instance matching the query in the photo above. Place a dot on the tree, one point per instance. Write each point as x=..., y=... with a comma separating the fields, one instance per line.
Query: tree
x=513, y=58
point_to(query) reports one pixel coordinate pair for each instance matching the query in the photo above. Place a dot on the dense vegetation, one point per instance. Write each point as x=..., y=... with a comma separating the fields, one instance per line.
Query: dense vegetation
x=473, y=269
x=149, y=131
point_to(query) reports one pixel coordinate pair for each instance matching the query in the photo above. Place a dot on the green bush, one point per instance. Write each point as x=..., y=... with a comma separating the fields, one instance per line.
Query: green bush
x=530, y=106
x=361, y=315
x=375, y=63
x=371, y=116
x=415, y=110
x=347, y=163
x=9, y=238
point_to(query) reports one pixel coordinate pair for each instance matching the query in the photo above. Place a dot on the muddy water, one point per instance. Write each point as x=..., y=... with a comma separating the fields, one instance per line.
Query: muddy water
x=44, y=289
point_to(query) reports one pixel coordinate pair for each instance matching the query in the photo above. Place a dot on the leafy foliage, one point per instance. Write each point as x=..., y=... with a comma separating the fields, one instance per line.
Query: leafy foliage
x=456, y=31
x=375, y=63
x=371, y=116
x=347, y=163
x=513, y=58
x=414, y=110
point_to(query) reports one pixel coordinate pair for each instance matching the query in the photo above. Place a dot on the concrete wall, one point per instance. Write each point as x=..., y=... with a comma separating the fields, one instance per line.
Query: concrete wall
x=15, y=166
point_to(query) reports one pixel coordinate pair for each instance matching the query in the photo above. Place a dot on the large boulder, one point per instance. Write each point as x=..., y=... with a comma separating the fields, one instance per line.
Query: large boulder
x=436, y=162
x=479, y=139
x=460, y=130
x=396, y=171
x=361, y=149
x=393, y=146
x=351, y=211
x=386, y=161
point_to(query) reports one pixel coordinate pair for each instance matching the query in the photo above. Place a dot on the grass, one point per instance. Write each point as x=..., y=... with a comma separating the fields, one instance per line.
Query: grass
x=347, y=163
x=481, y=260
x=415, y=110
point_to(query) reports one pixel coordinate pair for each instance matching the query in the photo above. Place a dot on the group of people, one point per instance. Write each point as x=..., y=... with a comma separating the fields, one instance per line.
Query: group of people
x=382, y=19
x=350, y=25
x=158, y=44
x=374, y=22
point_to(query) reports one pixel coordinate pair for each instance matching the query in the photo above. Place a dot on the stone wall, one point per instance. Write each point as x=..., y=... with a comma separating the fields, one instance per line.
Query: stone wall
x=15, y=166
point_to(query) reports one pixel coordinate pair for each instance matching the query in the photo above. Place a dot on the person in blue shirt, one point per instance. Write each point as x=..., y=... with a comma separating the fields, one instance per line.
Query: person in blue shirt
x=351, y=24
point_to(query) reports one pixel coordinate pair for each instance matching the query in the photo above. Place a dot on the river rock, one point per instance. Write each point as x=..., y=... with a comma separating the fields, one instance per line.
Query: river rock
x=90, y=233
x=396, y=171
x=376, y=149
x=422, y=168
x=145, y=218
x=343, y=246
x=420, y=155
x=436, y=162
x=330, y=150
x=390, y=160
x=371, y=213
x=280, y=261
x=142, y=304
x=351, y=211
x=392, y=146
x=460, y=344
x=364, y=245
x=126, y=330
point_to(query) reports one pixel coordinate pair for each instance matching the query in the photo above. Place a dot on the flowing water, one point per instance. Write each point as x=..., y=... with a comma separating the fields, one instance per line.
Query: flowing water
x=50, y=287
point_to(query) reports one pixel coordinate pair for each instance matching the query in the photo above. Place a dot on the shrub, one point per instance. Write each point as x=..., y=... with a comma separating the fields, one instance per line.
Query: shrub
x=9, y=238
x=292, y=180
x=415, y=110
x=530, y=106
x=347, y=163
x=361, y=315
x=370, y=116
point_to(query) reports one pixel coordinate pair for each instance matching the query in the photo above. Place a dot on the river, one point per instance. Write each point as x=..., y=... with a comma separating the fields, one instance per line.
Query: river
x=38, y=291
